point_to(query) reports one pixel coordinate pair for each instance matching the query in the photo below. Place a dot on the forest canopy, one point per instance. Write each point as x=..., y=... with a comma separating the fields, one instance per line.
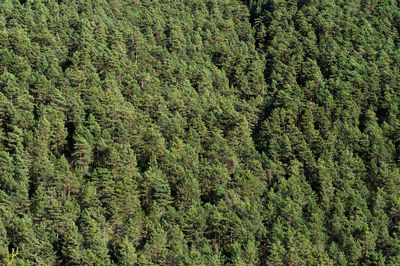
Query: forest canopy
x=199, y=132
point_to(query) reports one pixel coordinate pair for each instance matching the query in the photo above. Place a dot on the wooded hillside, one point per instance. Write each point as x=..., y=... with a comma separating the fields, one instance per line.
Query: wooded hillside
x=199, y=132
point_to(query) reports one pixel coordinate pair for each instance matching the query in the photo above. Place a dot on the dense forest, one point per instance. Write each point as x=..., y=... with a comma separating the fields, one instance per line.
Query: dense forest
x=199, y=132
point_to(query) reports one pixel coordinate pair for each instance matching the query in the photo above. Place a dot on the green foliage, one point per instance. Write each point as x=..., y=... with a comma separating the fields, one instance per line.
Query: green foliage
x=199, y=132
